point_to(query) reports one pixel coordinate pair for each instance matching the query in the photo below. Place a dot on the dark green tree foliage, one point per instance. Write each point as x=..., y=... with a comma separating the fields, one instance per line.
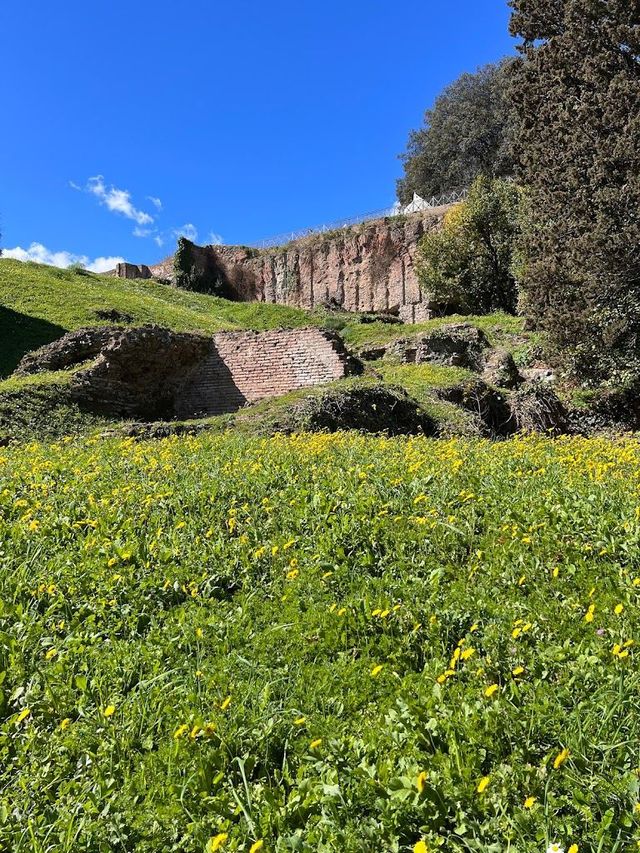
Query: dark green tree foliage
x=577, y=100
x=465, y=267
x=465, y=134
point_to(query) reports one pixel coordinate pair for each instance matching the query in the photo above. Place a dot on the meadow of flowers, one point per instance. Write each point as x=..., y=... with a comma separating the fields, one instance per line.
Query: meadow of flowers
x=320, y=643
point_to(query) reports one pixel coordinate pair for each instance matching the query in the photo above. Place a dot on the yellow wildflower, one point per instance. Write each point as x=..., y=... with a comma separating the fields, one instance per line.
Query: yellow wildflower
x=483, y=784
x=618, y=609
x=109, y=711
x=491, y=690
x=573, y=849
x=51, y=654
x=299, y=721
x=217, y=842
x=377, y=670
x=257, y=845
x=180, y=731
x=64, y=723
x=530, y=802
x=517, y=671
x=315, y=743
x=560, y=758
x=225, y=704
x=420, y=847
x=422, y=778
x=23, y=715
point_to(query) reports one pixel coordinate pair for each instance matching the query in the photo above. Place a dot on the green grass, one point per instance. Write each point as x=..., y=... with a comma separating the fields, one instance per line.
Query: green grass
x=419, y=379
x=328, y=643
x=40, y=303
x=498, y=327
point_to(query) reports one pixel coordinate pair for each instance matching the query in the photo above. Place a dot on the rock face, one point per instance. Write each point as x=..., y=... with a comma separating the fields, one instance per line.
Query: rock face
x=452, y=345
x=500, y=369
x=69, y=350
x=153, y=373
x=368, y=267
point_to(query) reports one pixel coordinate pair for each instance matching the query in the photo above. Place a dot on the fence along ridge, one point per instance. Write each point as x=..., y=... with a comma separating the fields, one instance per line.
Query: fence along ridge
x=416, y=206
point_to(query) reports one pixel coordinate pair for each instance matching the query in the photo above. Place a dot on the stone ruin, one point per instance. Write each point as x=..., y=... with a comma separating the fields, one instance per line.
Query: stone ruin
x=364, y=268
x=151, y=372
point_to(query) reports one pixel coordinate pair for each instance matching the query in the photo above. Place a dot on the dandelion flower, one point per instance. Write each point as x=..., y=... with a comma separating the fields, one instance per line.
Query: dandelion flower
x=180, y=731
x=618, y=609
x=217, y=841
x=257, y=845
x=315, y=743
x=560, y=759
x=23, y=715
x=376, y=670
x=109, y=711
x=573, y=849
x=422, y=778
x=483, y=784
x=51, y=654
x=225, y=704
x=491, y=690
x=420, y=847
x=64, y=723
x=530, y=802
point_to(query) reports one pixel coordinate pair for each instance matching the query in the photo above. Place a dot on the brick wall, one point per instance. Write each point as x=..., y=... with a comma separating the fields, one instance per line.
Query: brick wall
x=150, y=372
x=244, y=367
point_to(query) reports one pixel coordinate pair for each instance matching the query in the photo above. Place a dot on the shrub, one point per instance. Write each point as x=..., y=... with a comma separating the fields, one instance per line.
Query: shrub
x=466, y=267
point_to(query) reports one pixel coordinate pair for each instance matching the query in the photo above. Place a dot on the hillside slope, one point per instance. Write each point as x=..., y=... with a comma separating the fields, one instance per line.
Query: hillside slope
x=40, y=303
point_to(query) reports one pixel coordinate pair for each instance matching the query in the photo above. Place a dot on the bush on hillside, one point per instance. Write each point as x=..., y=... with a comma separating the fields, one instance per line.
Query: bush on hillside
x=466, y=267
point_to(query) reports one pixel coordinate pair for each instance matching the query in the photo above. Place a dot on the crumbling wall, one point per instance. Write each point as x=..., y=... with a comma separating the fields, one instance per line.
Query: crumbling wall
x=151, y=372
x=244, y=367
x=368, y=267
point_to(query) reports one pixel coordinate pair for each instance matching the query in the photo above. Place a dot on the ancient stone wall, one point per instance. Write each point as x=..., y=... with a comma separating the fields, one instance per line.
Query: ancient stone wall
x=368, y=267
x=151, y=372
x=244, y=367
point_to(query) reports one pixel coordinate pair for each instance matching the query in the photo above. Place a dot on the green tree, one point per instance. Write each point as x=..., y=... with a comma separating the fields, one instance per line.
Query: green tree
x=576, y=95
x=466, y=266
x=465, y=134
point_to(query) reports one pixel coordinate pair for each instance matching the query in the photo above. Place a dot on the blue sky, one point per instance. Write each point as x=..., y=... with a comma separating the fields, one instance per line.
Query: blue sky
x=126, y=123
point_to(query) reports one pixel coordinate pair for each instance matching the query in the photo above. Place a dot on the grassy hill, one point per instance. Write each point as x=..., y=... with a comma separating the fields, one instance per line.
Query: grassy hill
x=40, y=303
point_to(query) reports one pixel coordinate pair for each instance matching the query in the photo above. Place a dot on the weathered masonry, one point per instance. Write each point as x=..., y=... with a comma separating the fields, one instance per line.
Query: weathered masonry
x=367, y=267
x=150, y=372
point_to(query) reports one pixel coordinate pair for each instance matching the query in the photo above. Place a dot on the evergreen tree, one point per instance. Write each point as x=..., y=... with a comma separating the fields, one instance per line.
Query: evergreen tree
x=465, y=134
x=577, y=99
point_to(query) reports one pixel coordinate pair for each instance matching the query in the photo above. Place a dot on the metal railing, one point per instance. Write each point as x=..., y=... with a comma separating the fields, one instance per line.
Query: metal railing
x=388, y=212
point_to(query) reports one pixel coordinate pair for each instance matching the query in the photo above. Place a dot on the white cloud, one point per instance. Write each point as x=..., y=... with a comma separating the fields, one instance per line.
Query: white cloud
x=102, y=264
x=143, y=232
x=215, y=239
x=188, y=230
x=41, y=255
x=158, y=241
x=117, y=201
x=155, y=201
